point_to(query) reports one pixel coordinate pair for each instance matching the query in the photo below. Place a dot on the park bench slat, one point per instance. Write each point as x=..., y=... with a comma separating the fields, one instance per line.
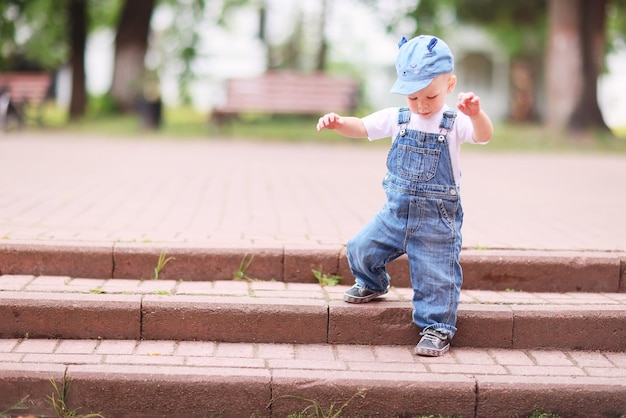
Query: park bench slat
x=31, y=87
x=288, y=93
x=19, y=91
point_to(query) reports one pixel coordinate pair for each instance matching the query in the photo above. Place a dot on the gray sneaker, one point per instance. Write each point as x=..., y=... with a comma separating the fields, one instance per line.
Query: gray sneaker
x=357, y=294
x=432, y=344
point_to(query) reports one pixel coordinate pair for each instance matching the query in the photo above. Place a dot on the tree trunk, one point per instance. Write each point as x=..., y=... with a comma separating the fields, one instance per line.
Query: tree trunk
x=322, y=51
x=131, y=44
x=587, y=113
x=575, y=56
x=77, y=11
x=564, y=67
x=523, y=101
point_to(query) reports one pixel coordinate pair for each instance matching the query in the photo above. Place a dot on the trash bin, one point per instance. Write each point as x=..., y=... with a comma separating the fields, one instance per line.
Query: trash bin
x=149, y=103
x=150, y=113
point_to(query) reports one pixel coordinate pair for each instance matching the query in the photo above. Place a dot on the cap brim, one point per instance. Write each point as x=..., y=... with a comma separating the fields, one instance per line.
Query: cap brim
x=407, y=88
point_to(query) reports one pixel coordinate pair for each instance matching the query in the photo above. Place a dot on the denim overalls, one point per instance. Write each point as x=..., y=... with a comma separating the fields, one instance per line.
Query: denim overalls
x=422, y=218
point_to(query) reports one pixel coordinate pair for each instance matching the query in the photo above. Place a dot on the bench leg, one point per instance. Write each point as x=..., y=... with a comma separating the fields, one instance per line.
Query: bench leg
x=9, y=114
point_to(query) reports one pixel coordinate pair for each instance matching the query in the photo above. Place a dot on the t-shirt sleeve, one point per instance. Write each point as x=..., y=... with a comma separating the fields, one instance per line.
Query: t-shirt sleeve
x=381, y=124
x=464, y=129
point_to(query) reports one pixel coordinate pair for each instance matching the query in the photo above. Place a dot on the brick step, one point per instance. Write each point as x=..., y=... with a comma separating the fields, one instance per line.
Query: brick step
x=531, y=271
x=277, y=312
x=197, y=379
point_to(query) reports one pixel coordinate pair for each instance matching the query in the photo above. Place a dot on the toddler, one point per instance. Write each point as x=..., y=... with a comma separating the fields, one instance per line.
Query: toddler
x=422, y=216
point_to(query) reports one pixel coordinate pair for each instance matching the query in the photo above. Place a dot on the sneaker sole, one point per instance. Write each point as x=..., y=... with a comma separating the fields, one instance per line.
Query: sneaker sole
x=429, y=352
x=355, y=299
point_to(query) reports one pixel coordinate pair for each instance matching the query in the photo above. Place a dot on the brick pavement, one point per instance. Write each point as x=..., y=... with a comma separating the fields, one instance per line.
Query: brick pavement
x=79, y=188
x=115, y=198
x=243, y=311
x=394, y=359
x=247, y=377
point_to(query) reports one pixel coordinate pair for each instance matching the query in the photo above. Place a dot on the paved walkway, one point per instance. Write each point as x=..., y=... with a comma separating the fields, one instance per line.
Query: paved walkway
x=236, y=193
x=209, y=378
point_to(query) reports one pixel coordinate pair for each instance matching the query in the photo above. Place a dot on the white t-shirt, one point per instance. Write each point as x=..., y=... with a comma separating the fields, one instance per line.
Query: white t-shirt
x=384, y=124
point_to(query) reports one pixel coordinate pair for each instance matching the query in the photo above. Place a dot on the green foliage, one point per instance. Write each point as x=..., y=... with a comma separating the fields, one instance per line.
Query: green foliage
x=538, y=414
x=34, y=34
x=326, y=279
x=185, y=123
x=315, y=409
x=104, y=13
x=616, y=23
x=245, y=263
x=430, y=16
x=103, y=105
x=162, y=261
x=180, y=40
x=17, y=406
x=58, y=400
x=519, y=27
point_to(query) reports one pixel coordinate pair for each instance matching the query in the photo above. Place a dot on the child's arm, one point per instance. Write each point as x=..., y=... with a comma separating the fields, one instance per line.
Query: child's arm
x=469, y=104
x=349, y=126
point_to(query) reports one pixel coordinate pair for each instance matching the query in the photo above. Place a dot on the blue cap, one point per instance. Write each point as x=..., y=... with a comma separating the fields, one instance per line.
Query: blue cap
x=419, y=61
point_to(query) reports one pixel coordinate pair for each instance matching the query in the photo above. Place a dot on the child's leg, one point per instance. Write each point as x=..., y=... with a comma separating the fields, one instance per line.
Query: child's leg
x=436, y=276
x=378, y=243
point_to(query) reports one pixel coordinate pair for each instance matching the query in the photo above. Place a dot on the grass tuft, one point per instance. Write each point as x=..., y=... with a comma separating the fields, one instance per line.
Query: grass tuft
x=326, y=279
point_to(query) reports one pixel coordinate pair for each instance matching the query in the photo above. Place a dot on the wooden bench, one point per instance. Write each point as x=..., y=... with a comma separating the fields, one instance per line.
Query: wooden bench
x=288, y=93
x=20, y=91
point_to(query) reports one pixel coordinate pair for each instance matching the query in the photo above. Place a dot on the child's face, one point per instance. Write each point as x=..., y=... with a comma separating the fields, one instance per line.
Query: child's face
x=429, y=101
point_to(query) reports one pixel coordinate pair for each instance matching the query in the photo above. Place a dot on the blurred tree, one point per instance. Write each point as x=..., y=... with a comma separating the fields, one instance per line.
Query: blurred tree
x=178, y=43
x=77, y=12
x=570, y=34
x=306, y=46
x=42, y=35
x=517, y=26
x=575, y=57
x=131, y=44
x=34, y=35
x=322, y=50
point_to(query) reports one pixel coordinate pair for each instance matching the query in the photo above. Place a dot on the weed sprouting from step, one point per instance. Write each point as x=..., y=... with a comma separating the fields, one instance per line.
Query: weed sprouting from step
x=163, y=260
x=58, y=401
x=316, y=410
x=538, y=414
x=240, y=274
x=17, y=406
x=326, y=279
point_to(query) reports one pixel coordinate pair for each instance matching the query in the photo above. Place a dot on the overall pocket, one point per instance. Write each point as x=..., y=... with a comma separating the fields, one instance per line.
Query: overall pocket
x=417, y=164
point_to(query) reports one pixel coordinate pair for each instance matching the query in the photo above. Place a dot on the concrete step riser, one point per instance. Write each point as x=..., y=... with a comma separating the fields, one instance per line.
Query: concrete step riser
x=206, y=318
x=531, y=271
x=151, y=391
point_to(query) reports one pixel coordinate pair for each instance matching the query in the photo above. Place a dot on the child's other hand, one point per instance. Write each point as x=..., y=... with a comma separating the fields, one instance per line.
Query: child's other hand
x=330, y=121
x=469, y=104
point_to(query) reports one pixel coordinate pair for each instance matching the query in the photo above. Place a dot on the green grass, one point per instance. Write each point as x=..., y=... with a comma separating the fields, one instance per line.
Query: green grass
x=186, y=123
x=245, y=263
x=162, y=261
x=325, y=279
x=533, y=137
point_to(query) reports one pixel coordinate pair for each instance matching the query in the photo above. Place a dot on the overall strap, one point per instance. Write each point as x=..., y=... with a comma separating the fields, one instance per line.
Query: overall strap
x=448, y=120
x=404, y=115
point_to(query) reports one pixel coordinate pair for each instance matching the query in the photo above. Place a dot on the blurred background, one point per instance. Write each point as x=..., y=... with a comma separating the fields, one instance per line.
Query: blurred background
x=550, y=73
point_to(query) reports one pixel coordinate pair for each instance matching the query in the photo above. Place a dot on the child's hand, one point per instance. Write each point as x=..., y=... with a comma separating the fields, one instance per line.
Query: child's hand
x=330, y=121
x=469, y=104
